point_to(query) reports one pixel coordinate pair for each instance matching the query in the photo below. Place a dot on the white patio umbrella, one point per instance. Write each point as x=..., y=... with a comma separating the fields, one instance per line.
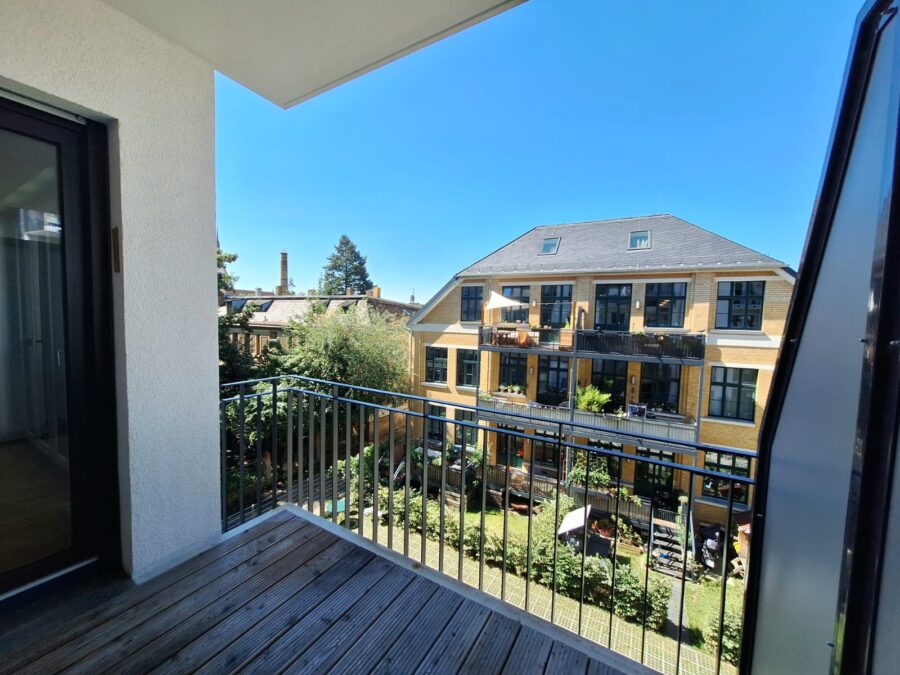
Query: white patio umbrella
x=574, y=520
x=497, y=301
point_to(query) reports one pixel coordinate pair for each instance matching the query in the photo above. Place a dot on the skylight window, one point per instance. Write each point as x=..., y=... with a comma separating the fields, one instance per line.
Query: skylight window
x=549, y=246
x=639, y=239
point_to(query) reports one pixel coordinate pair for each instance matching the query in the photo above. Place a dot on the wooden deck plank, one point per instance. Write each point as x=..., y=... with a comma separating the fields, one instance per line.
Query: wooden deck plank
x=129, y=621
x=373, y=644
x=447, y=654
x=565, y=659
x=326, y=581
x=229, y=643
x=595, y=667
x=291, y=596
x=491, y=649
x=330, y=646
x=297, y=568
x=529, y=653
x=303, y=634
x=410, y=647
x=222, y=555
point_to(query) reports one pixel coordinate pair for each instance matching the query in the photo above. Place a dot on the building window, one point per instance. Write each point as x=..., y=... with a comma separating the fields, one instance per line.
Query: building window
x=739, y=304
x=556, y=305
x=723, y=462
x=664, y=305
x=470, y=305
x=544, y=455
x=611, y=377
x=732, y=393
x=436, y=426
x=436, y=364
x=639, y=239
x=466, y=367
x=606, y=463
x=660, y=386
x=464, y=433
x=553, y=380
x=510, y=449
x=513, y=370
x=655, y=481
x=612, y=307
x=549, y=246
x=516, y=314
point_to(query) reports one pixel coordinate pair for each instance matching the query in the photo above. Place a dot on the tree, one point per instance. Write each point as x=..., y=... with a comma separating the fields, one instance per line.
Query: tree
x=346, y=268
x=364, y=349
x=235, y=363
x=226, y=280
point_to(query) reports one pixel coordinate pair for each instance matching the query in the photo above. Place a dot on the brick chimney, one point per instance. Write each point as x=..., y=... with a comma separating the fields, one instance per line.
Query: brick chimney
x=283, y=286
x=375, y=292
x=350, y=291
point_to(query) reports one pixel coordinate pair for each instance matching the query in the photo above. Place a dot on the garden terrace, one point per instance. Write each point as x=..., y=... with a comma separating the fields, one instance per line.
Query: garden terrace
x=627, y=576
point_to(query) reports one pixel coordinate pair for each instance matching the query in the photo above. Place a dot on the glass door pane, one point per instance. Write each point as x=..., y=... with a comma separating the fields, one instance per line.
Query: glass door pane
x=35, y=498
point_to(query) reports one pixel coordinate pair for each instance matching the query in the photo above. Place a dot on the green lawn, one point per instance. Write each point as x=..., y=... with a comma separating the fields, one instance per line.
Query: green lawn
x=493, y=520
x=702, y=602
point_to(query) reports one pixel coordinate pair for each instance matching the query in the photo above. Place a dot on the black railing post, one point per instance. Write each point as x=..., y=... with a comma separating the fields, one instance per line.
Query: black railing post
x=726, y=547
x=584, y=538
x=242, y=458
x=335, y=405
x=289, y=461
x=390, y=481
x=684, y=556
x=348, y=442
x=223, y=462
x=273, y=456
x=556, y=524
x=259, y=407
x=376, y=481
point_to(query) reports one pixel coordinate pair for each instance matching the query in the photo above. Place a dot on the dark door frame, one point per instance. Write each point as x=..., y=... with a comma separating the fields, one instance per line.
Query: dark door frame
x=91, y=405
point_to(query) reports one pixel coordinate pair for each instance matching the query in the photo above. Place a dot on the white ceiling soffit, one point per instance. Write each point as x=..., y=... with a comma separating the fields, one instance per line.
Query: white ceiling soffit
x=291, y=50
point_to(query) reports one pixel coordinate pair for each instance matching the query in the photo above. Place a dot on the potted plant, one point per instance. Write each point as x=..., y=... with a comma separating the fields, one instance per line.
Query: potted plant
x=517, y=389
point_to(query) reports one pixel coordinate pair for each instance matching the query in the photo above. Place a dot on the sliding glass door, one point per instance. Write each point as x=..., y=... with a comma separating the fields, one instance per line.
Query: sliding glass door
x=45, y=452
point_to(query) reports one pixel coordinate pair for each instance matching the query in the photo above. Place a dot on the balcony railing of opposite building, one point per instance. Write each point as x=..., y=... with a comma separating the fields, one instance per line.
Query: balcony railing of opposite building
x=354, y=455
x=682, y=346
x=668, y=345
x=583, y=421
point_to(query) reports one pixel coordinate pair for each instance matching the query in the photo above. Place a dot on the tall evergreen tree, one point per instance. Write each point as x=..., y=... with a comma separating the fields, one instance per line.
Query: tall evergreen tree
x=346, y=268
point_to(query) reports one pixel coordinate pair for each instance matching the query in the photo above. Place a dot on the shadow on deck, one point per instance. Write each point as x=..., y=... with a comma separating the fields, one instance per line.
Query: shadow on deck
x=291, y=593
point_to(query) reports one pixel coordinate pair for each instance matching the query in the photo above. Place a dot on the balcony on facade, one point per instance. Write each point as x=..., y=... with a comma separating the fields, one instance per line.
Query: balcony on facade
x=594, y=426
x=683, y=348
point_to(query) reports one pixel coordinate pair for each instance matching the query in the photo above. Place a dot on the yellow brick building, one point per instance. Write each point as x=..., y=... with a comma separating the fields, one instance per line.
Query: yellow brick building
x=681, y=326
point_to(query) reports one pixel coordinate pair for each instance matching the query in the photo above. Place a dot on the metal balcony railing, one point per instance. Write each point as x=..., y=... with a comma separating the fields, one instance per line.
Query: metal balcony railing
x=669, y=345
x=581, y=550
x=525, y=337
x=613, y=426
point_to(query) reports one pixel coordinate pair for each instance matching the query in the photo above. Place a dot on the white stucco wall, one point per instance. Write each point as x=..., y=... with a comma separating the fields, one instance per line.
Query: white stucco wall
x=158, y=98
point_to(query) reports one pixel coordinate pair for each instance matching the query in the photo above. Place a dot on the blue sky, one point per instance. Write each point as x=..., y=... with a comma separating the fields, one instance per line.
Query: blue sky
x=555, y=111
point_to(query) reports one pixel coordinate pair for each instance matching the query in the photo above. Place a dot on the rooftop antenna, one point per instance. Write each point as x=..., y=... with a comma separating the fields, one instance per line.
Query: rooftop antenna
x=412, y=297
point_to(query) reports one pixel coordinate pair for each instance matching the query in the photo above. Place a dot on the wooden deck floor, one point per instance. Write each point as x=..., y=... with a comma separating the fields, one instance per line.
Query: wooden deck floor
x=287, y=595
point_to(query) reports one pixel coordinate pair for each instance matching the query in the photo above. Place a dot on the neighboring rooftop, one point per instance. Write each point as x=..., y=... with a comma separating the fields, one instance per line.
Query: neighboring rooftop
x=277, y=311
x=642, y=243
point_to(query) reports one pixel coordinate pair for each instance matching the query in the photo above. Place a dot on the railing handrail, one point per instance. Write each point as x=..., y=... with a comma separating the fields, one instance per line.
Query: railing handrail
x=699, y=471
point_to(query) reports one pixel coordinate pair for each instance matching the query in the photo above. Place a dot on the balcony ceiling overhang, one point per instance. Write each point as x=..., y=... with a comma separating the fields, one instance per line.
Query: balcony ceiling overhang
x=290, y=50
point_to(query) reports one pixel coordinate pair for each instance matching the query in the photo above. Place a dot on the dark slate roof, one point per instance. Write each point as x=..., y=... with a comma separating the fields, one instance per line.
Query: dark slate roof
x=602, y=246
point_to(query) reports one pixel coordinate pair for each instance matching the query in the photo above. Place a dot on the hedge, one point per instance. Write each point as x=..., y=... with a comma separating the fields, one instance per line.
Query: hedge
x=631, y=602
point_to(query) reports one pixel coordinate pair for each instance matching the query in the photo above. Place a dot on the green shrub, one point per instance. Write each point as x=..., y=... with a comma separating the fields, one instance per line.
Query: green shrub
x=731, y=633
x=631, y=603
x=591, y=399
